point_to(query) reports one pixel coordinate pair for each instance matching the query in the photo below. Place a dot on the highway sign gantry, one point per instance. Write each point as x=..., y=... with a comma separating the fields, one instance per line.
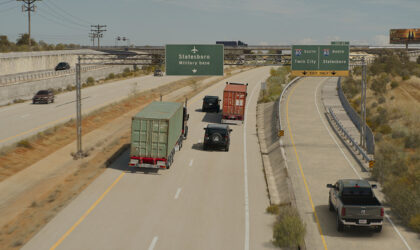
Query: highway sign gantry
x=194, y=59
x=320, y=60
x=344, y=43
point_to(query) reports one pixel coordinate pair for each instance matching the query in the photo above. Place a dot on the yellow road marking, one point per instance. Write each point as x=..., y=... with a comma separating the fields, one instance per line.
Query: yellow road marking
x=86, y=213
x=301, y=170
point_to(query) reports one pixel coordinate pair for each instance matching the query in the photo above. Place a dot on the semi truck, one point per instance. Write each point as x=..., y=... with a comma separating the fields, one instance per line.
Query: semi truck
x=157, y=132
x=355, y=204
x=234, y=102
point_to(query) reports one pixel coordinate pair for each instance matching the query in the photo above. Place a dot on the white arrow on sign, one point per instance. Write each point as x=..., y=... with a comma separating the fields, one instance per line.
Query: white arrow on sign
x=194, y=71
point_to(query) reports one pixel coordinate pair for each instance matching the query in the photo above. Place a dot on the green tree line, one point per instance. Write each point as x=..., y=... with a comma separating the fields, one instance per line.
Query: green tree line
x=21, y=45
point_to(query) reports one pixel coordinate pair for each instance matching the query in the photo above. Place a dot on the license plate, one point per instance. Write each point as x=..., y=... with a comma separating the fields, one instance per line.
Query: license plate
x=362, y=221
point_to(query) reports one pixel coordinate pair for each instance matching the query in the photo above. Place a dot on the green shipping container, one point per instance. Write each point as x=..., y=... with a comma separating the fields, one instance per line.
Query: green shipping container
x=156, y=129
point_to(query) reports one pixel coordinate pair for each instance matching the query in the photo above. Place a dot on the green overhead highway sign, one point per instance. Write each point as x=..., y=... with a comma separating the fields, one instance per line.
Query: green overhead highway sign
x=340, y=43
x=194, y=59
x=320, y=60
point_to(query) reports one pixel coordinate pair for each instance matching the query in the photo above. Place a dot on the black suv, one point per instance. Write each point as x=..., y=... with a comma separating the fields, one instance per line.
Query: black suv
x=43, y=96
x=217, y=136
x=158, y=72
x=211, y=103
x=62, y=66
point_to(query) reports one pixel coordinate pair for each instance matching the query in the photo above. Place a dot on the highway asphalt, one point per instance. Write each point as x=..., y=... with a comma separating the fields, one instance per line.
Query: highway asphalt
x=315, y=157
x=206, y=200
x=22, y=120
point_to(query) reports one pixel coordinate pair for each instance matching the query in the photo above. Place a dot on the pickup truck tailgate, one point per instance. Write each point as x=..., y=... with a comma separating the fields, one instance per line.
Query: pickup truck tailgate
x=363, y=214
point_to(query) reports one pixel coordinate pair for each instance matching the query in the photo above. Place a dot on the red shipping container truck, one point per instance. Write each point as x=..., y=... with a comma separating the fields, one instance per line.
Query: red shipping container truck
x=234, y=101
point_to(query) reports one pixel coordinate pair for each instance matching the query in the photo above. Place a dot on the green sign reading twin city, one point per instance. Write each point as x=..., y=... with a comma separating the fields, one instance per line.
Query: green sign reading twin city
x=320, y=60
x=194, y=59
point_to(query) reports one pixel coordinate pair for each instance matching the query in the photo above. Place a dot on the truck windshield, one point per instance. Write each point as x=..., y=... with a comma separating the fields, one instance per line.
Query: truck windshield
x=357, y=191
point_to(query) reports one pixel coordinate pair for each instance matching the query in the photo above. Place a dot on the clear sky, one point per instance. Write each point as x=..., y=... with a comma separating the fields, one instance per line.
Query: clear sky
x=256, y=22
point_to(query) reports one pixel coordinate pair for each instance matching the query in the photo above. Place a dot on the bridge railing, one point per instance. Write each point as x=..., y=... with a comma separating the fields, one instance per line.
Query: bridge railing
x=355, y=118
x=280, y=100
x=348, y=137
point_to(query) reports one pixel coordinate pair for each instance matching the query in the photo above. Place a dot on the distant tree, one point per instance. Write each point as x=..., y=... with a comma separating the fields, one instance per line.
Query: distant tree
x=4, y=41
x=60, y=46
x=24, y=40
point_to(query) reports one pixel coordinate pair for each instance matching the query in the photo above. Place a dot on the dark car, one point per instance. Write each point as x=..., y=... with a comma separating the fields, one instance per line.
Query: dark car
x=43, y=96
x=158, y=72
x=62, y=66
x=211, y=104
x=217, y=136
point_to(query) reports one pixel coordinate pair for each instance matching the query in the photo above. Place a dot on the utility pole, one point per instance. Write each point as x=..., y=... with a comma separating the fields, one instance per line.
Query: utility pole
x=97, y=31
x=79, y=153
x=363, y=106
x=28, y=6
x=92, y=38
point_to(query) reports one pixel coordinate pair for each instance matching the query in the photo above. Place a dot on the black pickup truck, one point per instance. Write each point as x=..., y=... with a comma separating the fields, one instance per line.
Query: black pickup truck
x=355, y=204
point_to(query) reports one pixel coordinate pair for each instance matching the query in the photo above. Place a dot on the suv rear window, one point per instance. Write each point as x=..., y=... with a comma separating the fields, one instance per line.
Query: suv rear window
x=42, y=92
x=215, y=130
x=357, y=191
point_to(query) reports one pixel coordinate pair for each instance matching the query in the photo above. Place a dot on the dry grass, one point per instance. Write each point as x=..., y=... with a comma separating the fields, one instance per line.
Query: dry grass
x=45, y=143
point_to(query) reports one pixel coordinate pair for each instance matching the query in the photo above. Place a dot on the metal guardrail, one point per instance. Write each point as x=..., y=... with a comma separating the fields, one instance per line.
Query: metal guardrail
x=355, y=118
x=283, y=93
x=348, y=137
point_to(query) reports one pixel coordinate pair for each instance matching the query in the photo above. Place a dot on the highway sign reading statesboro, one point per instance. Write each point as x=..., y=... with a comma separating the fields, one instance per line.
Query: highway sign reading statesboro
x=195, y=60
x=320, y=60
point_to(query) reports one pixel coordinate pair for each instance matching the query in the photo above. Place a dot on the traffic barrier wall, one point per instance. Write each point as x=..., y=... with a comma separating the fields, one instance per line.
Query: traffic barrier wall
x=32, y=76
x=19, y=62
x=355, y=118
x=26, y=90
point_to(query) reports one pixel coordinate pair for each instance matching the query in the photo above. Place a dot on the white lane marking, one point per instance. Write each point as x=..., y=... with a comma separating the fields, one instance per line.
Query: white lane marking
x=246, y=247
x=191, y=162
x=355, y=171
x=177, y=193
x=25, y=115
x=153, y=244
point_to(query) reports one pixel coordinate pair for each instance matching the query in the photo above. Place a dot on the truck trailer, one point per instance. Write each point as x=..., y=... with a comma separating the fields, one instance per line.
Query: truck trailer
x=234, y=101
x=156, y=133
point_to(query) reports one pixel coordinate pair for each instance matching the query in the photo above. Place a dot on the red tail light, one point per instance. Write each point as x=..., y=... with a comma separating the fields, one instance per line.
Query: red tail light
x=382, y=212
x=343, y=211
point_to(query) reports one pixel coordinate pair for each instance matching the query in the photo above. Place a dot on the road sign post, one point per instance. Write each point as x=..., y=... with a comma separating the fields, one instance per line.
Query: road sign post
x=320, y=60
x=194, y=60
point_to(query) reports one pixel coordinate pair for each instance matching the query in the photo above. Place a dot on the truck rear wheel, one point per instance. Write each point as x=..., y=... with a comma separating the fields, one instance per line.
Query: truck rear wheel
x=331, y=207
x=378, y=229
x=340, y=225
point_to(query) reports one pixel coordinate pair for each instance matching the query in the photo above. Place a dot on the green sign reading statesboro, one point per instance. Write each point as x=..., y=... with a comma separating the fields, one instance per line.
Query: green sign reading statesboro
x=194, y=60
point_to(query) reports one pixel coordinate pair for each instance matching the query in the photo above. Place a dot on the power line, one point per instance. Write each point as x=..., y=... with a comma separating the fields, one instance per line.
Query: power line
x=11, y=8
x=6, y=2
x=28, y=6
x=58, y=22
x=60, y=17
x=97, y=31
x=69, y=14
